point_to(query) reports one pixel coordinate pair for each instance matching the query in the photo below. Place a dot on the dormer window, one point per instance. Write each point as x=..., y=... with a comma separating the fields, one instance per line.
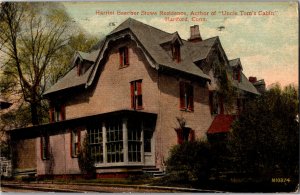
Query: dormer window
x=79, y=67
x=237, y=74
x=176, y=52
x=124, y=57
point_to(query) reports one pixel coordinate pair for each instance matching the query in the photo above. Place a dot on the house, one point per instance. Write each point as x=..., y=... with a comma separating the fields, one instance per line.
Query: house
x=125, y=97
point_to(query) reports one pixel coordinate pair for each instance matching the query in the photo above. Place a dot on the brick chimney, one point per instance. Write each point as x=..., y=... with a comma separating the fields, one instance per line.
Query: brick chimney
x=195, y=34
x=253, y=79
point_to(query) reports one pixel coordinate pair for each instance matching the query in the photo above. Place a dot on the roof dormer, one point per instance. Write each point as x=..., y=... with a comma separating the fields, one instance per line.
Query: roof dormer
x=82, y=62
x=237, y=68
x=173, y=43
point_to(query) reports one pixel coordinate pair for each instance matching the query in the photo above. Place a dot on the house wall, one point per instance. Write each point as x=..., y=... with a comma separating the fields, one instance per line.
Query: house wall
x=24, y=152
x=112, y=91
x=60, y=159
x=199, y=119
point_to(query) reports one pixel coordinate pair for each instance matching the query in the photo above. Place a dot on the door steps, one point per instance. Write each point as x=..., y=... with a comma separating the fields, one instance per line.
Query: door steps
x=155, y=172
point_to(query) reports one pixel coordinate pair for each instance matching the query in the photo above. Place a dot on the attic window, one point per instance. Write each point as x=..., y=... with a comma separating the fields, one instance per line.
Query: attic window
x=124, y=57
x=79, y=68
x=176, y=52
x=237, y=75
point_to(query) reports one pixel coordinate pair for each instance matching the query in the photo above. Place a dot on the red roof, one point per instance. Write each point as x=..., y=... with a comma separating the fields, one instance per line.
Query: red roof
x=221, y=124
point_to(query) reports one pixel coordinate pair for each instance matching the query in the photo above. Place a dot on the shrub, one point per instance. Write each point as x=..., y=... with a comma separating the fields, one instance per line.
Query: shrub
x=85, y=160
x=190, y=161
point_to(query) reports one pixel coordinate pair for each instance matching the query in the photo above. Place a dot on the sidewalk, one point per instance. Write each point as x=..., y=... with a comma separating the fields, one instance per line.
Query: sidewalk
x=86, y=187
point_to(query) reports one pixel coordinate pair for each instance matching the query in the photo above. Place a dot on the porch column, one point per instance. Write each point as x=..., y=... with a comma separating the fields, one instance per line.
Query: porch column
x=142, y=142
x=104, y=140
x=125, y=139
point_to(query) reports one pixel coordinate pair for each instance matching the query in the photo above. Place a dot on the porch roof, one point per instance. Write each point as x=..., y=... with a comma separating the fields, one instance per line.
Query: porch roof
x=221, y=124
x=77, y=122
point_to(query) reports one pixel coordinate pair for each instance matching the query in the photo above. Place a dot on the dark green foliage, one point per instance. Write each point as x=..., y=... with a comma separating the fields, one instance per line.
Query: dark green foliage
x=4, y=149
x=189, y=161
x=226, y=90
x=265, y=140
x=85, y=160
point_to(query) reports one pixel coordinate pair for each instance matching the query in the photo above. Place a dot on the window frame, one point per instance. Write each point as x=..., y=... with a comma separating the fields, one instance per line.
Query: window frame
x=95, y=136
x=186, y=96
x=114, y=142
x=75, y=139
x=136, y=95
x=124, y=57
x=57, y=113
x=134, y=141
x=45, y=146
x=176, y=53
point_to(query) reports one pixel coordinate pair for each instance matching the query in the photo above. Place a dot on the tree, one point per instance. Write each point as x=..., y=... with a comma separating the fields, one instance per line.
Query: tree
x=265, y=139
x=190, y=161
x=32, y=38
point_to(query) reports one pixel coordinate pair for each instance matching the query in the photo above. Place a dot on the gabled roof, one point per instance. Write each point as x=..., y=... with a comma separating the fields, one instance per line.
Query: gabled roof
x=150, y=40
x=70, y=80
x=235, y=63
x=171, y=38
x=245, y=85
x=221, y=124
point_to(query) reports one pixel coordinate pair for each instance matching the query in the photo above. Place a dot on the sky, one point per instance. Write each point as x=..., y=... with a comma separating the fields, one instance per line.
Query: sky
x=264, y=35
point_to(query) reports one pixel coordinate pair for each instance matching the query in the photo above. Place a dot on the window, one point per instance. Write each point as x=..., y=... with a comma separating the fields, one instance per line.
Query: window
x=136, y=95
x=45, y=147
x=185, y=135
x=79, y=67
x=57, y=113
x=75, y=142
x=176, y=52
x=114, y=145
x=124, y=57
x=96, y=144
x=134, y=141
x=186, y=96
x=237, y=74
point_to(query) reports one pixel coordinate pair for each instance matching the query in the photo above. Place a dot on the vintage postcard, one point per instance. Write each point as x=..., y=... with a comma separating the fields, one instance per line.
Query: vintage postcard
x=120, y=96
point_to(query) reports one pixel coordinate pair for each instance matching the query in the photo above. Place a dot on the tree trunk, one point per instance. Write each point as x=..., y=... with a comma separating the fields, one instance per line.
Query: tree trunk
x=34, y=113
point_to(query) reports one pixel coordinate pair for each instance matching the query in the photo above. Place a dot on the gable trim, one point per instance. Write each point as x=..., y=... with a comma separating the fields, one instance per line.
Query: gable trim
x=114, y=37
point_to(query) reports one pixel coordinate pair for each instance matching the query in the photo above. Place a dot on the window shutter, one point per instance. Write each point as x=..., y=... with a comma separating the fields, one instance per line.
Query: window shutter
x=47, y=146
x=121, y=56
x=192, y=135
x=126, y=55
x=62, y=112
x=139, y=87
x=51, y=115
x=181, y=95
x=191, y=97
x=79, y=137
x=179, y=136
x=132, y=94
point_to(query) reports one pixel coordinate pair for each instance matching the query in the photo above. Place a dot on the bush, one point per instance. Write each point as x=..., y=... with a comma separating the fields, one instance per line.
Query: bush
x=190, y=161
x=85, y=160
